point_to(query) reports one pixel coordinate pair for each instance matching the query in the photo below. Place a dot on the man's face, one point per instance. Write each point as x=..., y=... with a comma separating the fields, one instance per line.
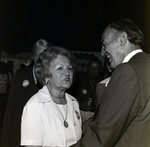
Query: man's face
x=94, y=70
x=111, y=47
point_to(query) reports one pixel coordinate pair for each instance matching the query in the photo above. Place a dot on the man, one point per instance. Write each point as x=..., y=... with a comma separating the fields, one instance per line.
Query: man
x=87, y=90
x=23, y=87
x=123, y=117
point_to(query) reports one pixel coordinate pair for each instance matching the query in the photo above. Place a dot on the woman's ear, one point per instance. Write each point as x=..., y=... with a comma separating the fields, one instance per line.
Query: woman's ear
x=123, y=38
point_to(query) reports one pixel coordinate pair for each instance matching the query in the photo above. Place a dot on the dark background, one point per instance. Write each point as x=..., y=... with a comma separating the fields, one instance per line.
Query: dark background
x=74, y=24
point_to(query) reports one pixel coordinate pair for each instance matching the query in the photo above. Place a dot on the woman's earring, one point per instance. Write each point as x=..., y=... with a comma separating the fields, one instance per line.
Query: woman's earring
x=46, y=80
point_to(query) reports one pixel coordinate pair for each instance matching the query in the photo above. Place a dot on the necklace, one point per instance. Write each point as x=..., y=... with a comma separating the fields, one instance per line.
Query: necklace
x=64, y=118
x=57, y=100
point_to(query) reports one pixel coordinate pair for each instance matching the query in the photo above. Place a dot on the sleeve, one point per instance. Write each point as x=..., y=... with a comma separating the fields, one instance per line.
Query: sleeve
x=31, y=124
x=119, y=106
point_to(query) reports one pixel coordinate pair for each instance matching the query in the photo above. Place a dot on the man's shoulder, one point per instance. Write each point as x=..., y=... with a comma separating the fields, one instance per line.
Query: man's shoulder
x=139, y=57
x=140, y=60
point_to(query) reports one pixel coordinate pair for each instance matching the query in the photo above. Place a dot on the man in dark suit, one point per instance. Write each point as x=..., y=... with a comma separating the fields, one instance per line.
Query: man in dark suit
x=123, y=117
x=24, y=86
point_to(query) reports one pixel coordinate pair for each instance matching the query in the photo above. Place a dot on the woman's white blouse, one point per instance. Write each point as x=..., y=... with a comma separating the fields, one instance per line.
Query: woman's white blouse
x=43, y=125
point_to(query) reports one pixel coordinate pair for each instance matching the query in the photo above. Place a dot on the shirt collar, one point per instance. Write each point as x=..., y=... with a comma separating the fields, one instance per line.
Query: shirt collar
x=130, y=55
x=105, y=81
x=44, y=96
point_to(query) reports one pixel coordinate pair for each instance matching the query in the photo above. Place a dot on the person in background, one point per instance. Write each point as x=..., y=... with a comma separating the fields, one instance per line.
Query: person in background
x=23, y=87
x=84, y=87
x=87, y=91
x=22, y=66
x=52, y=117
x=4, y=82
x=123, y=117
x=10, y=66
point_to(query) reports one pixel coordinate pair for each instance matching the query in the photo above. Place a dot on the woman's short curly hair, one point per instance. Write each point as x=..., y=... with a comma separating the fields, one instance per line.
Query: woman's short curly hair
x=44, y=61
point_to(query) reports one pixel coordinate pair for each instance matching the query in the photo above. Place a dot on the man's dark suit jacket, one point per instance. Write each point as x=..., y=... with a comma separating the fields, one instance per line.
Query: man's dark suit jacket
x=22, y=89
x=123, y=118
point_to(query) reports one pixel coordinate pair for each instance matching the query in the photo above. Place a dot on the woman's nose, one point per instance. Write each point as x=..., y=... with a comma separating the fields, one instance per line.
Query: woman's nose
x=66, y=72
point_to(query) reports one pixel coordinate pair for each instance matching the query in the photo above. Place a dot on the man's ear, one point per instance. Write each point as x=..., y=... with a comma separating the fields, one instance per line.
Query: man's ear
x=123, y=38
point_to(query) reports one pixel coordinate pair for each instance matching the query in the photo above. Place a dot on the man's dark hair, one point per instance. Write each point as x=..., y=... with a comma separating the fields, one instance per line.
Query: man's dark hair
x=135, y=36
x=95, y=60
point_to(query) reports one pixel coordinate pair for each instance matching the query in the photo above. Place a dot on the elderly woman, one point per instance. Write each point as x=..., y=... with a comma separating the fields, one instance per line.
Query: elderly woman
x=52, y=117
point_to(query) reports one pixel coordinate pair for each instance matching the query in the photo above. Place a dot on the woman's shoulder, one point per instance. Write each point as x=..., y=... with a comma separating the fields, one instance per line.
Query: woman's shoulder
x=71, y=97
x=33, y=100
x=40, y=96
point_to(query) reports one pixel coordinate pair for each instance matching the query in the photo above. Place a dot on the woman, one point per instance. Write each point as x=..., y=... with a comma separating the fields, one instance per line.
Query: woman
x=51, y=117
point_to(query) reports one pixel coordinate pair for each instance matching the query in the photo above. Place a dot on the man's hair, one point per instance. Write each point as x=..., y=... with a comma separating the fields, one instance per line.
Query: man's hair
x=135, y=36
x=95, y=60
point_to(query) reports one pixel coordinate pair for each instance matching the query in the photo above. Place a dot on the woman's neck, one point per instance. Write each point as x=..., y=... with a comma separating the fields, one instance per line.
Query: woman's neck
x=58, y=96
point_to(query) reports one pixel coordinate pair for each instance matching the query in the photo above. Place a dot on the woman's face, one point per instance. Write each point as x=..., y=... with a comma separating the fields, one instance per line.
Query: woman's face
x=62, y=73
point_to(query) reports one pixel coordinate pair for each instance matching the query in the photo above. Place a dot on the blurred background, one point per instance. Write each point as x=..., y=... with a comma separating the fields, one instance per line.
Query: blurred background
x=74, y=24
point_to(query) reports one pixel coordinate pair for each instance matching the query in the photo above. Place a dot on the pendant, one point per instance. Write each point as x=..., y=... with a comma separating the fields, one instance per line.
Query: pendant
x=65, y=124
